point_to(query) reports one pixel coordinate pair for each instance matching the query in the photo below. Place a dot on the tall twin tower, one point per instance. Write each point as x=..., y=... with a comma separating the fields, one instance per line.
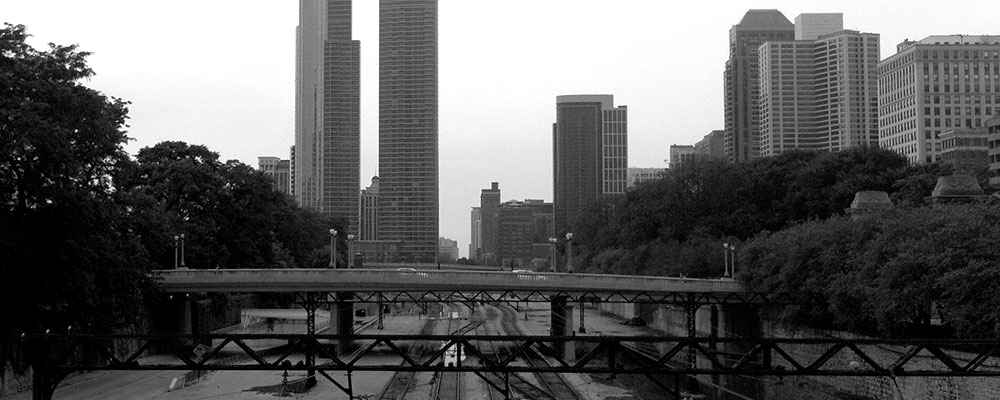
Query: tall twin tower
x=327, y=120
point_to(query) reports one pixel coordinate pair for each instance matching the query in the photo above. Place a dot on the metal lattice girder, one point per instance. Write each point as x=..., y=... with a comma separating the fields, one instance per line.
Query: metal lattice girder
x=678, y=298
x=58, y=354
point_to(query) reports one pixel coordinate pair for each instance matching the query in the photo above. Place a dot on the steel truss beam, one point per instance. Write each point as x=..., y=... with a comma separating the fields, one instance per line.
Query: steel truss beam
x=512, y=296
x=56, y=354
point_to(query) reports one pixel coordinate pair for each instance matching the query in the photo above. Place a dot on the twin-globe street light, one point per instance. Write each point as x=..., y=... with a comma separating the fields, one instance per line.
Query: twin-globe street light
x=181, y=239
x=729, y=254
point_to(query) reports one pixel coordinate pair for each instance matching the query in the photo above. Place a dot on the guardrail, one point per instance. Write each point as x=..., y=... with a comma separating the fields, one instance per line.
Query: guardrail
x=284, y=280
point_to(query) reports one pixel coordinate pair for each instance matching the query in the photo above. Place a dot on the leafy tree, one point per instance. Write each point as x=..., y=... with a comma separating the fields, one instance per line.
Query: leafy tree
x=69, y=258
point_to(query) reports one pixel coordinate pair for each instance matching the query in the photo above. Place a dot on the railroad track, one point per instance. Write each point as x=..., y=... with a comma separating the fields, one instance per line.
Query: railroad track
x=401, y=382
x=551, y=386
x=448, y=384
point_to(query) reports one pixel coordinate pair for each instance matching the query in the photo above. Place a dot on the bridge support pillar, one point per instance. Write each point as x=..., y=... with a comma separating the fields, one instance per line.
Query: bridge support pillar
x=343, y=320
x=561, y=324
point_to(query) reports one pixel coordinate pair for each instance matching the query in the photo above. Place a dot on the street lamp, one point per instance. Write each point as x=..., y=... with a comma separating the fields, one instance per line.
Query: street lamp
x=176, y=248
x=730, y=260
x=732, y=269
x=552, y=253
x=333, y=248
x=725, y=260
x=569, y=252
x=182, y=251
x=350, y=251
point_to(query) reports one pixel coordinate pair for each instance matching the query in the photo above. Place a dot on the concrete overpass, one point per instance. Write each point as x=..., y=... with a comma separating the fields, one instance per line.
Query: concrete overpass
x=382, y=280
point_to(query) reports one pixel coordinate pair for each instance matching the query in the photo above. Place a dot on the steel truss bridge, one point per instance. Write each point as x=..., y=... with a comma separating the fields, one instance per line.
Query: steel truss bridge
x=54, y=356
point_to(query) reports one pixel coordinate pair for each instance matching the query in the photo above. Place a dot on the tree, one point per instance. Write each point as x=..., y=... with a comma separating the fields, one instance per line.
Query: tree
x=69, y=258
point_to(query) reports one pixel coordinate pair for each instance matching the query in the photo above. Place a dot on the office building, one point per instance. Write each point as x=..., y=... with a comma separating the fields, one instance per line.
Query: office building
x=408, y=126
x=590, y=154
x=681, y=155
x=966, y=150
x=993, y=149
x=640, y=175
x=489, y=201
x=369, y=212
x=712, y=146
x=278, y=170
x=819, y=94
x=475, y=236
x=447, y=250
x=523, y=228
x=327, y=111
x=812, y=26
x=741, y=86
x=935, y=85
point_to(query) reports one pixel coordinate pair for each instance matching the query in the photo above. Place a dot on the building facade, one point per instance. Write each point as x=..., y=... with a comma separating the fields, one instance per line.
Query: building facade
x=812, y=26
x=590, y=154
x=475, y=234
x=327, y=111
x=640, y=175
x=369, y=212
x=966, y=150
x=447, y=250
x=681, y=155
x=713, y=145
x=741, y=86
x=934, y=85
x=993, y=149
x=521, y=228
x=489, y=201
x=408, y=126
x=819, y=94
x=278, y=170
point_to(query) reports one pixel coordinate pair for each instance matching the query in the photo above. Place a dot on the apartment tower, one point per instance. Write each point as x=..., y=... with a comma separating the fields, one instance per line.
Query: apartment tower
x=589, y=154
x=742, y=89
x=936, y=85
x=819, y=93
x=327, y=107
x=408, y=127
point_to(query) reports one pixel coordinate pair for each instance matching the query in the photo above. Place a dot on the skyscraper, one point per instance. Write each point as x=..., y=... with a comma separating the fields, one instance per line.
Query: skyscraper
x=327, y=107
x=408, y=126
x=589, y=154
x=368, y=230
x=819, y=94
x=742, y=89
x=475, y=243
x=935, y=85
x=489, y=200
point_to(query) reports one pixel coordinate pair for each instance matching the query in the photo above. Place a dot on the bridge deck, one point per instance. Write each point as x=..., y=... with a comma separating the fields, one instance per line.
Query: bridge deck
x=346, y=280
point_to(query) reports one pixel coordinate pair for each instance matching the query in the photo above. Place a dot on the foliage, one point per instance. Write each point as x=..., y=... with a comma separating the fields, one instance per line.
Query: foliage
x=69, y=258
x=890, y=274
x=676, y=224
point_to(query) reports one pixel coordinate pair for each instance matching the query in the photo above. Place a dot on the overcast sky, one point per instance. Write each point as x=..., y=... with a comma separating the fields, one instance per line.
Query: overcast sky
x=221, y=73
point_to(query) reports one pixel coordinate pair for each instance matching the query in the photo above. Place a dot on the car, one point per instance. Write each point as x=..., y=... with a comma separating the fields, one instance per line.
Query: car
x=522, y=271
x=410, y=272
x=406, y=270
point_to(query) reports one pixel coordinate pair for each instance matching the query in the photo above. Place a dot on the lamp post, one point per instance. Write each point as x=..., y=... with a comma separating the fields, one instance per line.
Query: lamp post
x=552, y=254
x=333, y=248
x=182, y=251
x=732, y=259
x=725, y=260
x=350, y=251
x=569, y=252
x=176, y=248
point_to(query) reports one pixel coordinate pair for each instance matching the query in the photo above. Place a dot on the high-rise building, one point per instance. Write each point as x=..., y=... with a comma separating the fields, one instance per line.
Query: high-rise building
x=681, y=155
x=935, y=85
x=291, y=170
x=993, y=149
x=475, y=236
x=489, y=200
x=713, y=145
x=408, y=126
x=278, y=170
x=369, y=212
x=742, y=89
x=589, y=154
x=327, y=109
x=523, y=228
x=819, y=94
x=812, y=26
x=447, y=250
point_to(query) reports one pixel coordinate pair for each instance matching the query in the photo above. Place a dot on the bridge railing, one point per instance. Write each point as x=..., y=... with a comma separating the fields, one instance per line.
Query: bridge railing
x=381, y=279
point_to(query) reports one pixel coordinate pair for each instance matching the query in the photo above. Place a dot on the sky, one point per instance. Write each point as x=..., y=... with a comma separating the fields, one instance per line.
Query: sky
x=221, y=73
